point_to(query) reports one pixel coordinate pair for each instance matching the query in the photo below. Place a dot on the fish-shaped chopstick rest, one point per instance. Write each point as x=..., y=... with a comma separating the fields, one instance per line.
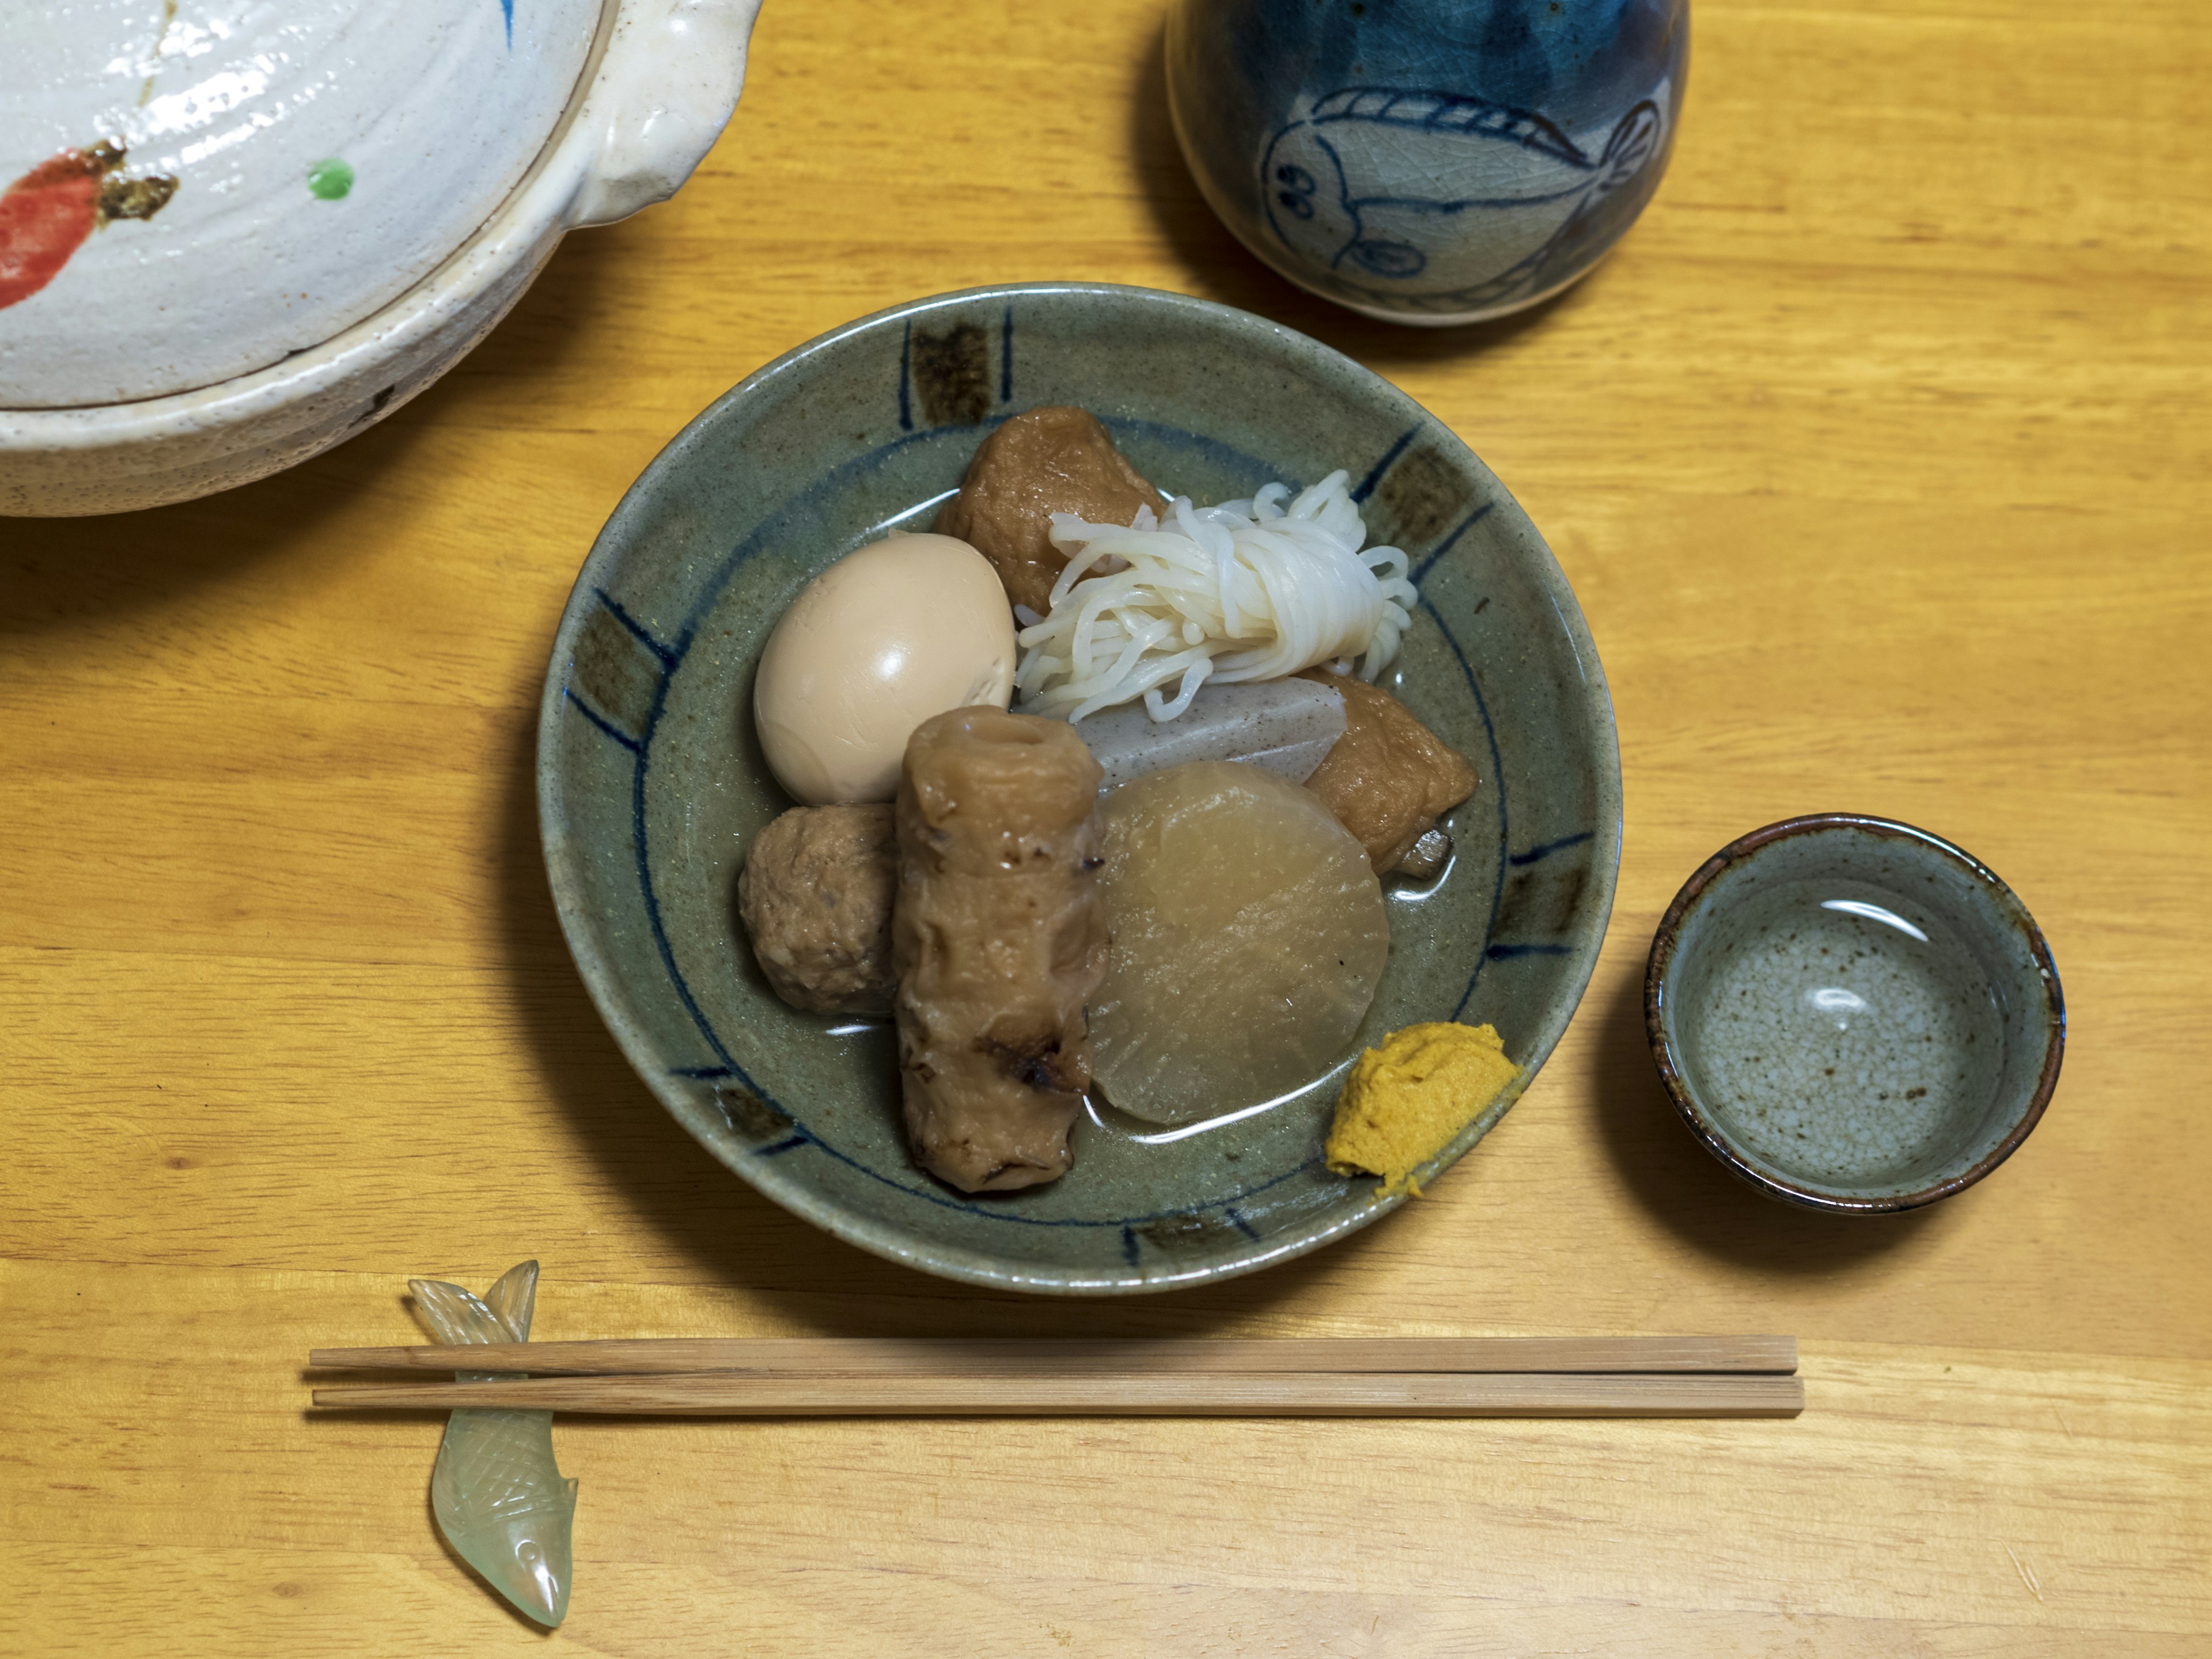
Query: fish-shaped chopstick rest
x=500, y=1498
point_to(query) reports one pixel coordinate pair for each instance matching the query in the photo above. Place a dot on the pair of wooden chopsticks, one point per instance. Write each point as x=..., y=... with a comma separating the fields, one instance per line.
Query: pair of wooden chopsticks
x=885, y=1377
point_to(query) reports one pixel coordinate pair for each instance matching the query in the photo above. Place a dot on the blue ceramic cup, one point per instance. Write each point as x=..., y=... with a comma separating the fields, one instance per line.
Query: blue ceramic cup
x=1428, y=162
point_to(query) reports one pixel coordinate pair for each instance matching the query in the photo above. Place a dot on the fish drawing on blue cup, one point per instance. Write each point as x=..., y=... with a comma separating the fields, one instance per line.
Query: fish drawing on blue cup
x=1428, y=161
x=1533, y=196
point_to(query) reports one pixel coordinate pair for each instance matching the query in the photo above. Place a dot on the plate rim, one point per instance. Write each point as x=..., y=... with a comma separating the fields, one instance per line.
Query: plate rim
x=959, y=1263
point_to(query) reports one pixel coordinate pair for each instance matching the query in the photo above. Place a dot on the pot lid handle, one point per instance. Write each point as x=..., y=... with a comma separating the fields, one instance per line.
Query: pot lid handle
x=666, y=88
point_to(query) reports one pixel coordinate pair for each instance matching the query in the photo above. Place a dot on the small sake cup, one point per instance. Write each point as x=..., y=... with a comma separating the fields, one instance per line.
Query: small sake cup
x=1853, y=1014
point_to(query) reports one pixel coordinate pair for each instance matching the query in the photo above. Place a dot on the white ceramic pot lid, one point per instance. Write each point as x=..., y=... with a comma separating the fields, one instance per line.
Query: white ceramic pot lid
x=192, y=190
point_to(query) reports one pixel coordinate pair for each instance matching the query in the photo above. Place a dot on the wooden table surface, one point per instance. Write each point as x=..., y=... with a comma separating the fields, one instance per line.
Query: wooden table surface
x=1880, y=459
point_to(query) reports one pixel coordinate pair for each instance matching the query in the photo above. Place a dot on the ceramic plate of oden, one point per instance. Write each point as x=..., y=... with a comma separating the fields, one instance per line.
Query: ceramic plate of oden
x=651, y=782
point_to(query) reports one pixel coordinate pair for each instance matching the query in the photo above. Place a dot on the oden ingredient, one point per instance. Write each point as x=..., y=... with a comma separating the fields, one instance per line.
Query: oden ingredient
x=815, y=896
x=905, y=627
x=1249, y=590
x=1388, y=779
x=1249, y=939
x=1047, y=461
x=1407, y=1101
x=1287, y=726
x=999, y=939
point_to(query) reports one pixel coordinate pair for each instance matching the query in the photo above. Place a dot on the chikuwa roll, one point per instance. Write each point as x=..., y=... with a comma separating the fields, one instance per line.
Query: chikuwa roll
x=998, y=939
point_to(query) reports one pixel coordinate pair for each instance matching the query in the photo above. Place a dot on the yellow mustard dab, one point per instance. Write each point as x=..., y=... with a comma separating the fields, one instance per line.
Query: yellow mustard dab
x=1403, y=1102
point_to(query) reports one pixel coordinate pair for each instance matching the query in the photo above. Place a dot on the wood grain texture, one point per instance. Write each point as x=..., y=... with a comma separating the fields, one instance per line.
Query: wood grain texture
x=1100, y=1393
x=1878, y=457
x=895, y=1355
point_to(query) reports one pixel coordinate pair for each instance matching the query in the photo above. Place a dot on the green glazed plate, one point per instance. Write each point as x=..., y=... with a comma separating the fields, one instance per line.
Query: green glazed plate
x=651, y=783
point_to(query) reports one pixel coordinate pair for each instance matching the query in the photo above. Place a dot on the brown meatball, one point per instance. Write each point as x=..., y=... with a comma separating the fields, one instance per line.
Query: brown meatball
x=1388, y=779
x=816, y=896
x=1048, y=461
x=999, y=938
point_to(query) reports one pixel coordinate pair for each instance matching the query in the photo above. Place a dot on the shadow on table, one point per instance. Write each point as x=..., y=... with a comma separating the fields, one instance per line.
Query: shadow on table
x=59, y=573
x=62, y=572
x=1225, y=271
x=734, y=1235
x=1686, y=1188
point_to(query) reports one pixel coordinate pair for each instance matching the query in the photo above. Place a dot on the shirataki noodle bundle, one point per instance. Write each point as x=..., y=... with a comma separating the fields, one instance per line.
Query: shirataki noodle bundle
x=1249, y=590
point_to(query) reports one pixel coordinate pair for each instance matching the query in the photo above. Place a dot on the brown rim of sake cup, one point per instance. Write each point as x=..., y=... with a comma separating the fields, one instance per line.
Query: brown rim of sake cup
x=1715, y=1140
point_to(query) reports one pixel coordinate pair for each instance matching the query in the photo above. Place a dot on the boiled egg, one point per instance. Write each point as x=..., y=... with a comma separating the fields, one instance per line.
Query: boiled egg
x=904, y=629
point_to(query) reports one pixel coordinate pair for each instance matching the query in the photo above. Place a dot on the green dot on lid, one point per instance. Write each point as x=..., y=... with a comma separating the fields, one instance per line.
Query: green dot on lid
x=329, y=179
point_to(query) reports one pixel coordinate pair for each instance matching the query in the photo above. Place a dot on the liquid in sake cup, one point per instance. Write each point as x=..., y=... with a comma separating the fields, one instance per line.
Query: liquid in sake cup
x=1853, y=1014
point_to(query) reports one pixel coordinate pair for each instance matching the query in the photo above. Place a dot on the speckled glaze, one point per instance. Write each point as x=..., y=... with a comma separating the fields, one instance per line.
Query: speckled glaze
x=272, y=303
x=1853, y=1014
x=651, y=781
x=1428, y=162
x=422, y=116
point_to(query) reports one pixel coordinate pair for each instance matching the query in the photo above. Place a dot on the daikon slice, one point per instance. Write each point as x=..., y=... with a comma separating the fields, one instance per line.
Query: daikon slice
x=1249, y=936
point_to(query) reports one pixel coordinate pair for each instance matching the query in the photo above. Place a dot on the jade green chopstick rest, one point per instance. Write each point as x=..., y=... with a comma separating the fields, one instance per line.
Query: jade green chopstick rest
x=499, y=1497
